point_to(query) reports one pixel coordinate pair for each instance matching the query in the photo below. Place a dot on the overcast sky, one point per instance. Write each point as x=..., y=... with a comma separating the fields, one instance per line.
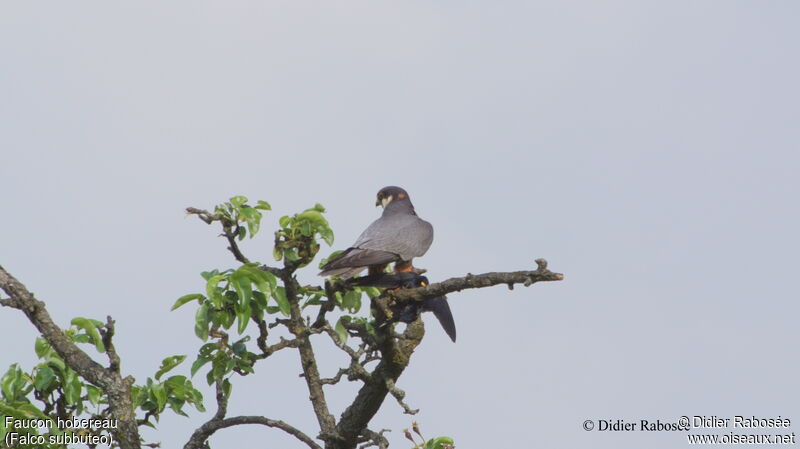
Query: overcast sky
x=648, y=150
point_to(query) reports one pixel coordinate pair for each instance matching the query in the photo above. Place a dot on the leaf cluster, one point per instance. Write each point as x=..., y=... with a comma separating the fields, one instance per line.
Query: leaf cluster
x=296, y=240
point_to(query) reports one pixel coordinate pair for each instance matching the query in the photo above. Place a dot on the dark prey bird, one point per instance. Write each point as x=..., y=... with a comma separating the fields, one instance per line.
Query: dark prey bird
x=399, y=235
x=407, y=313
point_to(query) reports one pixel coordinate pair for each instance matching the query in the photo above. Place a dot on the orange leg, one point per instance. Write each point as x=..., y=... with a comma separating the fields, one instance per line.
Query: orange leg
x=403, y=267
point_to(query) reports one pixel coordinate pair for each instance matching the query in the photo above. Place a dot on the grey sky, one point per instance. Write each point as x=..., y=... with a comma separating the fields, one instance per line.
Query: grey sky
x=648, y=150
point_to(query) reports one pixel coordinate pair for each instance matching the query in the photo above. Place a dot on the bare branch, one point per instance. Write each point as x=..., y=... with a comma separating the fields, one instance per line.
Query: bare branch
x=206, y=430
x=111, y=351
x=204, y=215
x=227, y=230
x=338, y=341
x=335, y=379
x=526, y=278
x=399, y=395
x=282, y=344
x=218, y=421
x=10, y=302
x=374, y=439
x=277, y=272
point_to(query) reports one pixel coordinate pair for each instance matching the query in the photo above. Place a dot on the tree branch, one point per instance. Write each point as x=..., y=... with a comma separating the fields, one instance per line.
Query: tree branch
x=395, y=355
x=526, y=278
x=399, y=395
x=111, y=351
x=308, y=360
x=227, y=226
x=207, y=429
x=10, y=302
x=116, y=388
x=371, y=438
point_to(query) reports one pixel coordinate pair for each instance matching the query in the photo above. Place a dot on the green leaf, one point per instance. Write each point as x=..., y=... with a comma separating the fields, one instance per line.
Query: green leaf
x=240, y=348
x=253, y=219
x=291, y=254
x=90, y=328
x=201, y=322
x=305, y=228
x=259, y=305
x=243, y=315
x=160, y=395
x=223, y=318
x=55, y=361
x=221, y=366
x=439, y=442
x=199, y=364
x=313, y=216
x=175, y=382
x=238, y=201
x=41, y=346
x=169, y=363
x=243, y=286
x=327, y=235
x=372, y=292
x=31, y=411
x=264, y=281
x=44, y=376
x=93, y=394
x=340, y=329
x=283, y=303
x=313, y=300
x=209, y=274
x=212, y=291
x=331, y=257
x=277, y=253
x=72, y=387
x=352, y=301
x=263, y=205
x=285, y=221
x=186, y=298
x=81, y=338
x=226, y=388
x=208, y=349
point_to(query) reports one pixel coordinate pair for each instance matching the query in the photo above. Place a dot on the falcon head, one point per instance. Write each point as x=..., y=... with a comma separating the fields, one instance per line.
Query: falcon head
x=388, y=194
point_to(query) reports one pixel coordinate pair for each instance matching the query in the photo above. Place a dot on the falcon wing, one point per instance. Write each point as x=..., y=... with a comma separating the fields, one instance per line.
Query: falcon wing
x=407, y=236
x=355, y=260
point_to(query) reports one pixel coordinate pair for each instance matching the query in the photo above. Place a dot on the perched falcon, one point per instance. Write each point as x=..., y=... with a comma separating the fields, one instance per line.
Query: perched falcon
x=399, y=235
